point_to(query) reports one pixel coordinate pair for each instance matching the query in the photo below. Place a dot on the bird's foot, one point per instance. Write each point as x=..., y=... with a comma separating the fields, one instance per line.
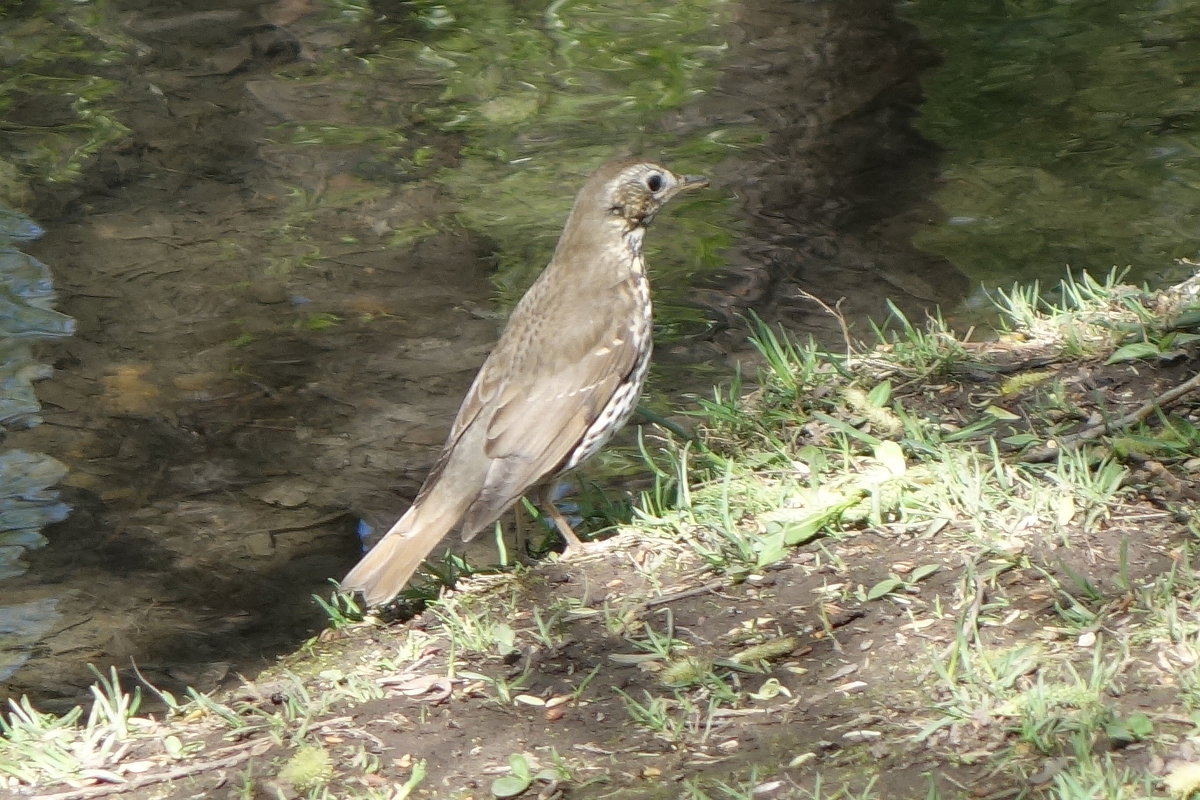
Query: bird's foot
x=574, y=545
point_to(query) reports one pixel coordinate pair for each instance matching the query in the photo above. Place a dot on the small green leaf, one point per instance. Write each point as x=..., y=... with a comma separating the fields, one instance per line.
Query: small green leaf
x=771, y=547
x=509, y=786
x=1020, y=439
x=879, y=396
x=792, y=532
x=1189, y=317
x=845, y=428
x=978, y=426
x=812, y=456
x=1133, y=352
x=891, y=455
x=922, y=572
x=519, y=766
x=1133, y=728
x=770, y=689
x=1000, y=413
x=1140, y=725
x=1064, y=509
x=884, y=587
x=506, y=638
x=320, y=321
x=802, y=530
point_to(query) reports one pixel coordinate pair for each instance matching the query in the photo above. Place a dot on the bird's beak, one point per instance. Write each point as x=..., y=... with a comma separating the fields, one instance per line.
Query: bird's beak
x=686, y=183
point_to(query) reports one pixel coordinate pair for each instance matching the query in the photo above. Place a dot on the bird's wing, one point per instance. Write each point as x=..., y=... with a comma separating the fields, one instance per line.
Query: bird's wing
x=534, y=424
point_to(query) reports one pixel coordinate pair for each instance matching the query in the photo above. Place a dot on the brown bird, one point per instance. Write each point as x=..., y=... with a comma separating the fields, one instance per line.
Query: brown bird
x=565, y=375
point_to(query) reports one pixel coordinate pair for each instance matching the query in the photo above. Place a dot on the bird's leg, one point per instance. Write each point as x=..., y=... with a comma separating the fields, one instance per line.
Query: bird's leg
x=564, y=528
x=520, y=538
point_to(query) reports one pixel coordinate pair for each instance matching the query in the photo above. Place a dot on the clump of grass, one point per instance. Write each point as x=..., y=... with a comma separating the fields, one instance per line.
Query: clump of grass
x=829, y=441
x=310, y=767
x=341, y=609
x=38, y=748
x=830, y=444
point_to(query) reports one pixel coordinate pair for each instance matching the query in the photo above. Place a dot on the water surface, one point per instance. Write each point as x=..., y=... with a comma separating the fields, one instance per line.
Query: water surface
x=294, y=237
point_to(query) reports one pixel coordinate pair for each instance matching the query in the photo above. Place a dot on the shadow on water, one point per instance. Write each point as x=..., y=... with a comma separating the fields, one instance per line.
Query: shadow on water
x=828, y=206
x=282, y=289
x=1070, y=133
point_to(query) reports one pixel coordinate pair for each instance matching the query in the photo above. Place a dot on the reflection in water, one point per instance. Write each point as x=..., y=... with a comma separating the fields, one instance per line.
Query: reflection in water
x=830, y=202
x=1071, y=136
x=539, y=105
x=280, y=306
x=27, y=505
x=26, y=315
x=27, y=502
x=22, y=626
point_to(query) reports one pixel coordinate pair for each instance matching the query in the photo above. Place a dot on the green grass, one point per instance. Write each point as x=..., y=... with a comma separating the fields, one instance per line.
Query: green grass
x=38, y=748
x=1033, y=646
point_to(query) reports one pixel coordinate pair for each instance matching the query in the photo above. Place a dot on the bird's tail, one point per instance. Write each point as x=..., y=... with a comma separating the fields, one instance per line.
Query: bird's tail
x=389, y=565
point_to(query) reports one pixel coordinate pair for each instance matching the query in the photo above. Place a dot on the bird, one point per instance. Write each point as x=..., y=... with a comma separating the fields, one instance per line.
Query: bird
x=564, y=376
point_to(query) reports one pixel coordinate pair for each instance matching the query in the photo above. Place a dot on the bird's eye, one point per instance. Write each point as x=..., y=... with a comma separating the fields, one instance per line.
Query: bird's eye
x=654, y=182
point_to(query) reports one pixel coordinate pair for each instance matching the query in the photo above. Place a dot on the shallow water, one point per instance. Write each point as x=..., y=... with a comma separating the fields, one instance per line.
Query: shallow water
x=1071, y=137
x=286, y=273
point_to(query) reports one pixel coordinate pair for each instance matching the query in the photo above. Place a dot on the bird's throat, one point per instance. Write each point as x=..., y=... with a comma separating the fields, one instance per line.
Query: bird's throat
x=633, y=241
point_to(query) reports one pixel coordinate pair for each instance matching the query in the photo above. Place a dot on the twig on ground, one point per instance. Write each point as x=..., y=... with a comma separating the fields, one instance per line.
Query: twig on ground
x=1167, y=398
x=712, y=586
x=247, y=751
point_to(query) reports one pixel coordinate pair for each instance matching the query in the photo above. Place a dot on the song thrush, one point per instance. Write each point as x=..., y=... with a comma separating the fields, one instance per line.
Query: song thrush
x=564, y=376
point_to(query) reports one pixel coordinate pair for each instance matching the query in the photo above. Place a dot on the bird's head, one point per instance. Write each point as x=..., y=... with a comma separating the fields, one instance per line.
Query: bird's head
x=614, y=207
x=634, y=191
